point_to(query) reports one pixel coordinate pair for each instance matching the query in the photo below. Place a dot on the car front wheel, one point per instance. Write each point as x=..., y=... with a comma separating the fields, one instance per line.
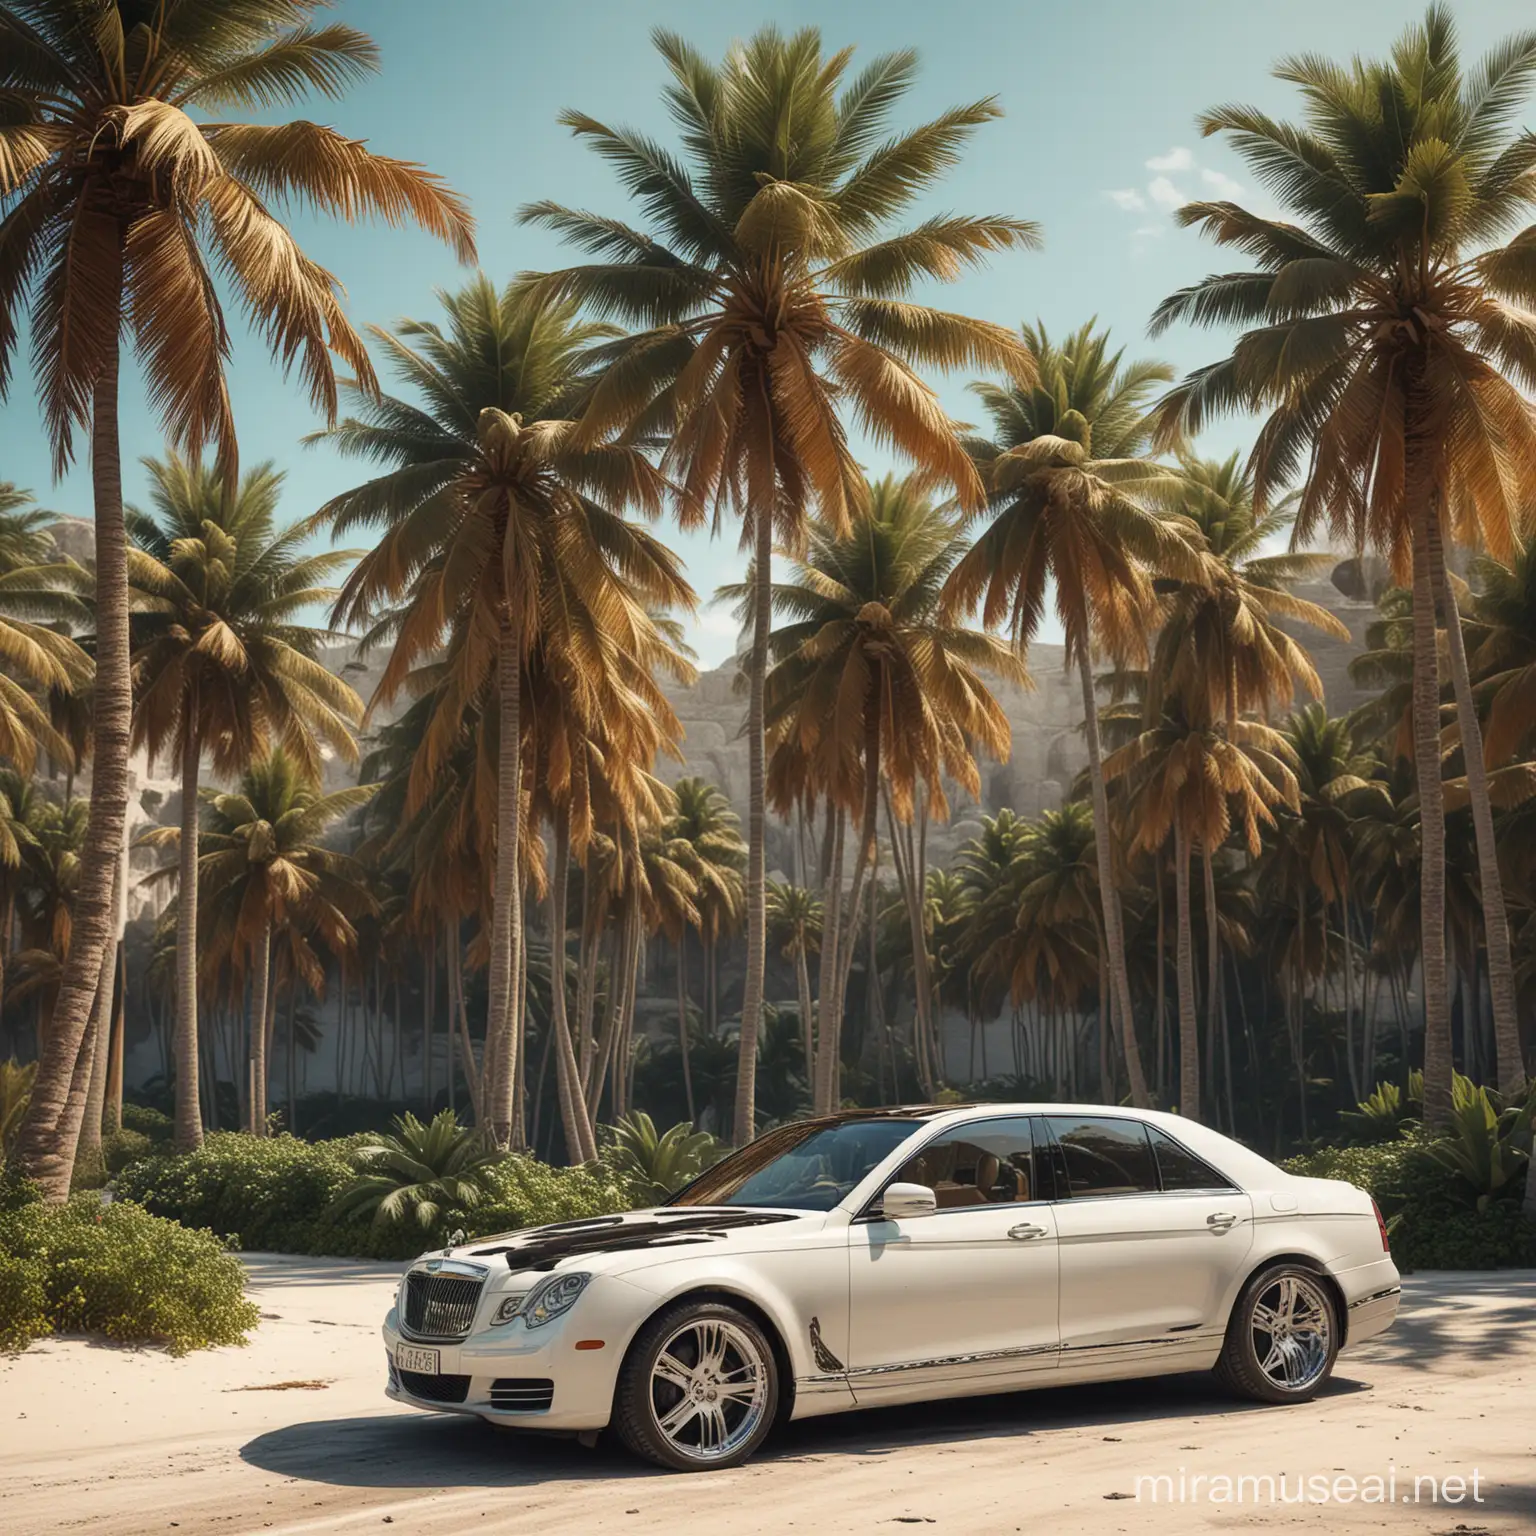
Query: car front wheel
x=1283, y=1337
x=699, y=1389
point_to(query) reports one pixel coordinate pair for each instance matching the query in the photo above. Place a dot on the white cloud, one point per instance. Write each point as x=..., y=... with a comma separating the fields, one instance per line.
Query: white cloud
x=718, y=621
x=1221, y=184
x=1127, y=198
x=1165, y=194
x=1177, y=159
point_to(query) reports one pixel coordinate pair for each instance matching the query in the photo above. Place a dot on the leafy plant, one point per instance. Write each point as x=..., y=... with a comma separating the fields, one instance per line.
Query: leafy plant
x=419, y=1172
x=1486, y=1146
x=15, y=1095
x=116, y=1270
x=1383, y=1115
x=656, y=1165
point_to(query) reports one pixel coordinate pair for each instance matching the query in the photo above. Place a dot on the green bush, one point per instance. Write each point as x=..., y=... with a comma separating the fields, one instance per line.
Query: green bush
x=280, y=1194
x=1432, y=1211
x=119, y=1148
x=117, y=1271
x=153, y=1123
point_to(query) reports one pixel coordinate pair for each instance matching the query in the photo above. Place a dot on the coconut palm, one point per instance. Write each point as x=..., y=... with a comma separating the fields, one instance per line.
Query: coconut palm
x=1065, y=467
x=704, y=821
x=658, y=1164
x=769, y=287
x=224, y=667
x=118, y=207
x=37, y=599
x=873, y=687
x=20, y=802
x=794, y=930
x=1188, y=778
x=493, y=508
x=265, y=875
x=1220, y=638
x=1379, y=326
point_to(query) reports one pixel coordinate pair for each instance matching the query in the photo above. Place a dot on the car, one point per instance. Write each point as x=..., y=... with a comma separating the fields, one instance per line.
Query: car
x=901, y=1255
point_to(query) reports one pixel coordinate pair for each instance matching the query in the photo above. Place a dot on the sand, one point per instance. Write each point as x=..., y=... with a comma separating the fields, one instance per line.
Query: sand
x=292, y=1434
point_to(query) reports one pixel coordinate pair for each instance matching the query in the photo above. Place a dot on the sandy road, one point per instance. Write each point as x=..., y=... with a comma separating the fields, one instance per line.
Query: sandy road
x=110, y=1441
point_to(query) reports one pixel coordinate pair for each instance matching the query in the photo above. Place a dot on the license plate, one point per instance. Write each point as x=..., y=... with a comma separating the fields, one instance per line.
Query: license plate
x=408, y=1358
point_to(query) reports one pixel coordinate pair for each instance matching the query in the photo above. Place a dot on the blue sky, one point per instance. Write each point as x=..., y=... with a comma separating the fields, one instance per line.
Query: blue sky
x=1097, y=144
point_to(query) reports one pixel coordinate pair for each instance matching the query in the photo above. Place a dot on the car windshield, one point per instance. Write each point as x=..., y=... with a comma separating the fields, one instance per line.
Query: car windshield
x=806, y=1166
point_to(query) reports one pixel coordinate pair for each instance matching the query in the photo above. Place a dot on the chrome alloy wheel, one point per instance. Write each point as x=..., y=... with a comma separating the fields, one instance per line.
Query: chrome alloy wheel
x=1292, y=1331
x=709, y=1389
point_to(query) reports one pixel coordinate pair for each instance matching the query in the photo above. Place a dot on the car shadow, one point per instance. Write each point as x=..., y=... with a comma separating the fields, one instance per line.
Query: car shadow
x=422, y=1450
x=1469, y=1316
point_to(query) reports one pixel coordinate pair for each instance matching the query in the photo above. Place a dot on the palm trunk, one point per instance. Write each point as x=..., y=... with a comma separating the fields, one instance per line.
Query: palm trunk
x=1426, y=752
x=114, y=1105
x=506, y=915
x=1501, y=969
x=828, y=1011
x=580, y=1143
x=1189, y=1027
x=1109, y=895
x=682, y=1023
x=45, y=1146
x=261, y=981
x=744, y=1118
x=803, y=990
x=1213, y=1021
x=1162, y=979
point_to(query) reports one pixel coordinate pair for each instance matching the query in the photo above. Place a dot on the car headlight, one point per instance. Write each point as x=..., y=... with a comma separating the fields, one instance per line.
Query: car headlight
x=555, y=1297
x=508, y=1308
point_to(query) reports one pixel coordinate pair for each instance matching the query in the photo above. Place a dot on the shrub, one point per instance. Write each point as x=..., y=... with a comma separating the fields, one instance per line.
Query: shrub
x=280, y=1193
x=418, y=1173
x=655, y=1165
x=15, y=1095
x=152, y=1123
x=118, y=1271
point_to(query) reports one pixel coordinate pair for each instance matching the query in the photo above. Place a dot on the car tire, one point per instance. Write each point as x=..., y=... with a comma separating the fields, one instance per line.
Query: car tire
x=699, y=1388
x=1283, y=1336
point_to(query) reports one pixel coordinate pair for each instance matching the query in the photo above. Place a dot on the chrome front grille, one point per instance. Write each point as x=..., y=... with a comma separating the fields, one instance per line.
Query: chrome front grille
x=522, y=1394
x=440, y=1306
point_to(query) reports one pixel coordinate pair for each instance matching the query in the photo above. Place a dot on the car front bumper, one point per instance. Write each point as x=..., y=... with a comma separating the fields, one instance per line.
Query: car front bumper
x=496, y=1372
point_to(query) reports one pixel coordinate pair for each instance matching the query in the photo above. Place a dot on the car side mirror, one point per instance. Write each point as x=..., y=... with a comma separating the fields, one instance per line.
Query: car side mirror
x=903, y=1200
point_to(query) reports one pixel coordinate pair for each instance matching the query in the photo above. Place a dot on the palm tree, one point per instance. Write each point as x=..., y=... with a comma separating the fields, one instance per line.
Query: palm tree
x=1503, y=631
x=769, y=288
x=37, y=599
x=117, y=207
x=265, y=876
x=501, y=536
x=794, y=929
x=1378, y=347
x=1188, y=778
x=1065, y=467
x=222, y=665
x=873, y=687
x=19, y=806
x=704, y=821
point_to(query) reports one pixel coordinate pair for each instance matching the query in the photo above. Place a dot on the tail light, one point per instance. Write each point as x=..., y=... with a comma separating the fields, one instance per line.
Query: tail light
x=1381, y=1226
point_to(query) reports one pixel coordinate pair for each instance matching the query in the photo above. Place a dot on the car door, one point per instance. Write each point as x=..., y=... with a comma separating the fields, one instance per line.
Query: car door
x=1152, y=1242
x=968, y=1293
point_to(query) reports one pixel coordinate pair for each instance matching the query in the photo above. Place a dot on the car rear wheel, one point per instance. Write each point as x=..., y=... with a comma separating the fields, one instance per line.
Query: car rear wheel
x=1283, y=1336
x=699, y=1389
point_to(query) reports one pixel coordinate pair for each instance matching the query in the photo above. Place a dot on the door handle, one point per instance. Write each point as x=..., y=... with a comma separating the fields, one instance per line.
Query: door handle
x=1024, y=1231
x=1221, y=1221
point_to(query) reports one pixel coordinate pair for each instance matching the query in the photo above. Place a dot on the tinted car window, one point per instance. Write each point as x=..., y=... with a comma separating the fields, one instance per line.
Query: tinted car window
x=803, y=1166
x=1104, y=1156
x=989, y=1162
x=1180, y=1168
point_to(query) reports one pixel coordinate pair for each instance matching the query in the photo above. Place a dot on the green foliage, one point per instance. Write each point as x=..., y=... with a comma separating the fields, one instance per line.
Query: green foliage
x=153, y=1123
x=1487, y=1147
x=1384, y=1114
x=656, y=1165
x=120, y=1148
x=117, y=1271
x=15, y=1095
x=419, y=1173
x=279, y=1194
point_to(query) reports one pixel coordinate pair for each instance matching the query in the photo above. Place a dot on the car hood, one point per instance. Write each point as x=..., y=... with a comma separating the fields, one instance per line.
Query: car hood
x=659, y=1229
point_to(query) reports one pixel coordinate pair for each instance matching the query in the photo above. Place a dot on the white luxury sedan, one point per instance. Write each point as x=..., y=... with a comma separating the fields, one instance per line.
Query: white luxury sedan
x=890, y=1256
